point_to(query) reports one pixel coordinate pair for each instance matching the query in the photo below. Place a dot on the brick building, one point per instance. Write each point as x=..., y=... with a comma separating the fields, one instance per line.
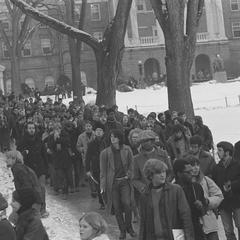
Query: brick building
x=46, y=56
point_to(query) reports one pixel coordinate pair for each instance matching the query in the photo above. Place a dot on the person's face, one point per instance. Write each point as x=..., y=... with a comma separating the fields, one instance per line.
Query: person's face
x=178, y=134
x=159, y=178
x=15, y=205
x=151, y=120
x=186, y=175
x=162, y=118
x=147, y=145
x=103, y=119
x=31, y=129
x=111, y=116
x=194, y=148
x=175, y=122
x=9, y=162
x=88, y=127
x=99, y=132
x=96, y=116
x=195, y=169
x=183, y=117
x=131, y=115
x=174, y=115
x=135, y=138
x=220, y=153
x=125, y=119
x=114, y=140
x=50, y=126
x=86, y=230
x=144, y=122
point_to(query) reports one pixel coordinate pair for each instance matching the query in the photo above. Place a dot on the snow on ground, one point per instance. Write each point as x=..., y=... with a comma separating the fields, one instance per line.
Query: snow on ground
x=209, y=102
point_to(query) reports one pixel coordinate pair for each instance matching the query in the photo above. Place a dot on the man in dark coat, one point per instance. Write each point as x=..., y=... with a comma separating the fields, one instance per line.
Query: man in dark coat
x=194, y=194
x=164, y=207
x=203, y=131
x=93, y=159
x=28, y=225
x=6, y=230
x=227, y=176
x=32, y=149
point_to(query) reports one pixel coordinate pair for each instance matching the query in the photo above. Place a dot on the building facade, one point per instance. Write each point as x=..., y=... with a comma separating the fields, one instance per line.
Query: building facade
x=46, y=56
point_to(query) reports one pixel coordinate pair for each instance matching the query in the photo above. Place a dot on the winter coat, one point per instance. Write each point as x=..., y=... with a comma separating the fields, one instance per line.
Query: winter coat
x=93, y=156
x=174, y=213
x=24, y=177
x=214, y=194
x=139, y=180
x=107, y=170
x=82, y=143
x=35, y=158
x=206, y=134
x=30, y=227
x=173, y=148
x=230, y=173
x=6, y=230
x=102, y=237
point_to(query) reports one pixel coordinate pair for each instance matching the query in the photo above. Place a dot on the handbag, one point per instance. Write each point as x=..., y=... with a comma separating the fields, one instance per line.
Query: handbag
x=178, y=234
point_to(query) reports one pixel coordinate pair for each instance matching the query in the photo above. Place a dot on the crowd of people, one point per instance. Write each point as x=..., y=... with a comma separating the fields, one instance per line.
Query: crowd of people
x=159, y=170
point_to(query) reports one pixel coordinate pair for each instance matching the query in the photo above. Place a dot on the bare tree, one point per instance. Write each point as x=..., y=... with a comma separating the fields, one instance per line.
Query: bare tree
x=21, y=32
x=180, y=40
x=108, y=52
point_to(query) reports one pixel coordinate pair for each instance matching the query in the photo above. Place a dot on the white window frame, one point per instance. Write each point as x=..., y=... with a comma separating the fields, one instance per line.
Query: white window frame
x=97, y=12
x=27, y=46
x=235, y=2
x=235, y=27
x=4, y=50
x=98, y=35
x=46, y=44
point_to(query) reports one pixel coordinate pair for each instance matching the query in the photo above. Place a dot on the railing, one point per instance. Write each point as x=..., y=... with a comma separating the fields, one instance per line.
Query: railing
x=202, y=37
x=144, y=41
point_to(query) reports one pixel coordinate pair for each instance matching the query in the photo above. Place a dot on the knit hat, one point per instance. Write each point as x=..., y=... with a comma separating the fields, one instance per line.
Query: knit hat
x=26, y=197
x=3, y=203
x=146, y=135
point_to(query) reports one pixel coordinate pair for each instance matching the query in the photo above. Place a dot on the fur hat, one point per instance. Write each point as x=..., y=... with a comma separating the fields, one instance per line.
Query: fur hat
x=3, y=203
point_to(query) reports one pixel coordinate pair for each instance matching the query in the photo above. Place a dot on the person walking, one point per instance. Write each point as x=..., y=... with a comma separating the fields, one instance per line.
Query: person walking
x=227, y=176
x=164, y=208
x=115, y=181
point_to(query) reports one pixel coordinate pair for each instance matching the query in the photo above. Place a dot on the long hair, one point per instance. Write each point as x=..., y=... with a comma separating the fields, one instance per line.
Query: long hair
x=96, y=221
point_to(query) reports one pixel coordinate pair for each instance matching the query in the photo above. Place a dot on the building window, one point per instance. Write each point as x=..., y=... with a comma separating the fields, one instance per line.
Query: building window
x=27, y=51
x=141, y=5
x=46, y=46
x=235, y=5
x=236, y=29
x=98, y=36
x=30, y=82
x=95, y=12
x=5, y=51
x=9, y=86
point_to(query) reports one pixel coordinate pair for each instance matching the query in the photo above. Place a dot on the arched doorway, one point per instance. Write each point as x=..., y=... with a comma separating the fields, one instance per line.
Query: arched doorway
x=49, y=81
x=152, y=70
x=203, y=68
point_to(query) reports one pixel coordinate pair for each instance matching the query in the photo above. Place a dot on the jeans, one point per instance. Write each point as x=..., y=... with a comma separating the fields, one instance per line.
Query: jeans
x=121, y=199
x=227, y=217
x=67, y=179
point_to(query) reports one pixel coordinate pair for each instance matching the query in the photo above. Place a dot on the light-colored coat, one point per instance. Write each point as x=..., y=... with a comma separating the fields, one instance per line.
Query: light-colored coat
x=107, y=171
x=82, y=144
x=102, y=237
x=213, y=193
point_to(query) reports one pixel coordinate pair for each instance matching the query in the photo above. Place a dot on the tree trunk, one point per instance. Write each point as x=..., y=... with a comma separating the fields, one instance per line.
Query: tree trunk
x=15, y=74
x=109, y=60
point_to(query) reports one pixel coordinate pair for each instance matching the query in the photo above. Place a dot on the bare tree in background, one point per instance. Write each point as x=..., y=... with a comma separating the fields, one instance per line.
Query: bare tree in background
x=180, y=40
x=108, y=52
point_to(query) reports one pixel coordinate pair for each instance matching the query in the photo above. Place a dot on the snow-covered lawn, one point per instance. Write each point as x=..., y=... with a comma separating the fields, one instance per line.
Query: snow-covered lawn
x=209, y=102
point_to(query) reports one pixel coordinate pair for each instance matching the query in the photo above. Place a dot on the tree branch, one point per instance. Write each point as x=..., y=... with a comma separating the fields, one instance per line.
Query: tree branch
x=4, y=36
x=10, y=9
x=57, y=25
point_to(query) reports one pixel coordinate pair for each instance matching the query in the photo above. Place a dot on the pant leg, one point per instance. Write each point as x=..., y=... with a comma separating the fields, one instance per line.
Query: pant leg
x=236, y=217
x=116, y=201
x=69, y=177
x=212, y=236
x=76, y=169
x=227, y=220
x=42, y=180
